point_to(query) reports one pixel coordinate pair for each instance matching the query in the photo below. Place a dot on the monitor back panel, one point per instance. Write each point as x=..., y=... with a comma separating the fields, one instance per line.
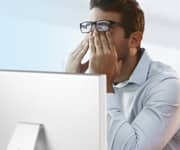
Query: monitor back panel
x=69, y=106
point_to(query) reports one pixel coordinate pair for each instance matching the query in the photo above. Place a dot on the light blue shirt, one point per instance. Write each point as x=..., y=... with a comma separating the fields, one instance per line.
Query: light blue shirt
x=144, y=112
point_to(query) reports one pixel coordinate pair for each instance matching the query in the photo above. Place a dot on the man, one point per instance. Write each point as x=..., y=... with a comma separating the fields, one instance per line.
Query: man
x=142, y=95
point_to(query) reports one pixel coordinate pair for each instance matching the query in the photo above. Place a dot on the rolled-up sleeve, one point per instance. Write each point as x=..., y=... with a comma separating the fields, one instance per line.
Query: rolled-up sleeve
x=155, y=124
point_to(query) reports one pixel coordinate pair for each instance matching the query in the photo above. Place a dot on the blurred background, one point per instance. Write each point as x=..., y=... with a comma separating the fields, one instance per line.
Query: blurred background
x=39, y=34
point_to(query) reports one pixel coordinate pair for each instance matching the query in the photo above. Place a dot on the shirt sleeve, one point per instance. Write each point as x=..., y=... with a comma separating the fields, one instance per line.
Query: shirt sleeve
x=153, y=127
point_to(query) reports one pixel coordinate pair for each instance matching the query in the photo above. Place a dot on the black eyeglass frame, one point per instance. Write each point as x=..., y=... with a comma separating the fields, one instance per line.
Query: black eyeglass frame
x=111, y=24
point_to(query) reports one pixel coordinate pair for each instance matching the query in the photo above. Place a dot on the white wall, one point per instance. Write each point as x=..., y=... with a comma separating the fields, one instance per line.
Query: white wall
x=169, y=56
x=34, y=45
x=36, y=34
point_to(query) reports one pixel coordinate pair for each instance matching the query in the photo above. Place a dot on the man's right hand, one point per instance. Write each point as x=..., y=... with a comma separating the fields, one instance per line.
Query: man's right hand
x=74, y=61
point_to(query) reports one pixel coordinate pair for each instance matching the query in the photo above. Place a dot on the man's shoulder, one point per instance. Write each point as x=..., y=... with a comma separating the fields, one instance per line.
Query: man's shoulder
x=159, y=71
x=162, y=84
x=161, y=77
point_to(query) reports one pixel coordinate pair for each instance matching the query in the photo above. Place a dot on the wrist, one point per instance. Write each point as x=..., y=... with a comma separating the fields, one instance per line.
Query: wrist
x=110, y=85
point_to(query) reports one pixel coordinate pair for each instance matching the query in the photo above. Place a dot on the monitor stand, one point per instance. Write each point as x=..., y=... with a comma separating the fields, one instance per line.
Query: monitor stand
x=28, y=136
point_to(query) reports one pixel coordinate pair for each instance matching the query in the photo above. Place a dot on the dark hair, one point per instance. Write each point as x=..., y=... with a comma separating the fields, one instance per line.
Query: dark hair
x=132, y=14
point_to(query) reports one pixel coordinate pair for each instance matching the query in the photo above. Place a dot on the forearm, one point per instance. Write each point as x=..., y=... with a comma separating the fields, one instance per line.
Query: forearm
x=110, y=89
x=110, y=85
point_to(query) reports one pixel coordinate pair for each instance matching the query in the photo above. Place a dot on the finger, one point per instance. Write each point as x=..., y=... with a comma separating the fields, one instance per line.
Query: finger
x=80, y=47
x=92, y=45
x=80, y=55
x=98, y=43
x=111, y=43
x=105, y=44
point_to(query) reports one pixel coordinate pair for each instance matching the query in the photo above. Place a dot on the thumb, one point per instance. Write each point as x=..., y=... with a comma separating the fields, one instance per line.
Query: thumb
x=118, y=67
x=84, y=67
x=120, y=64
x=118, y=71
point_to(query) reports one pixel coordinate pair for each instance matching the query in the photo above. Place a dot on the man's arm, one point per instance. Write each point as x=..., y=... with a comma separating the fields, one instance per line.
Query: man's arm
x=154, y=126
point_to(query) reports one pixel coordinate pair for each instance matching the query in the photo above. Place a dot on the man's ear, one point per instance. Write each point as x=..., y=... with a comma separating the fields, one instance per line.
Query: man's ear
x=135, y=39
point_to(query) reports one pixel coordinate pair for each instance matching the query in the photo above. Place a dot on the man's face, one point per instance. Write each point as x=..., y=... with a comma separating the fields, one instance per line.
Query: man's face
x=117, y=32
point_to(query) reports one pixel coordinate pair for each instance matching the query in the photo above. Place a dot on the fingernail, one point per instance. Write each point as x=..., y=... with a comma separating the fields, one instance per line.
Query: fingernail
x=95, y=32
x=90, y=33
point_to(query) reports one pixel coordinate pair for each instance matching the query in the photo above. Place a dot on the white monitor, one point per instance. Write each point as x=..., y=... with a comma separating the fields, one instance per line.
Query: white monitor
x=71, y=108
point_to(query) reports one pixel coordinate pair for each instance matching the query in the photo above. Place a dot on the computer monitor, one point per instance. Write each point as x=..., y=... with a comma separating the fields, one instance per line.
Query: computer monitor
x=71, y=107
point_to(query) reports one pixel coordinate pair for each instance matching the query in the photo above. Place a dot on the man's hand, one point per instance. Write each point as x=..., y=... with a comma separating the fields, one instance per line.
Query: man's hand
x=74, y=61
x=104, y=59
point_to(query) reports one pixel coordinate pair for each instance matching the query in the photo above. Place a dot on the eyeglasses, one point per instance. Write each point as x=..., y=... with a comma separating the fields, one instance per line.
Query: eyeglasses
x=100, y=25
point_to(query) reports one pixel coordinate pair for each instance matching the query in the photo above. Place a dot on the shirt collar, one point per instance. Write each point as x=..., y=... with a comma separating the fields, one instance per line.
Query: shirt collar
x=140, y=72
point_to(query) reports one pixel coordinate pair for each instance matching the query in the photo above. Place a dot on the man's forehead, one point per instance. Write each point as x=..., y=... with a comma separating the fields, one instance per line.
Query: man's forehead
x=98, y=14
